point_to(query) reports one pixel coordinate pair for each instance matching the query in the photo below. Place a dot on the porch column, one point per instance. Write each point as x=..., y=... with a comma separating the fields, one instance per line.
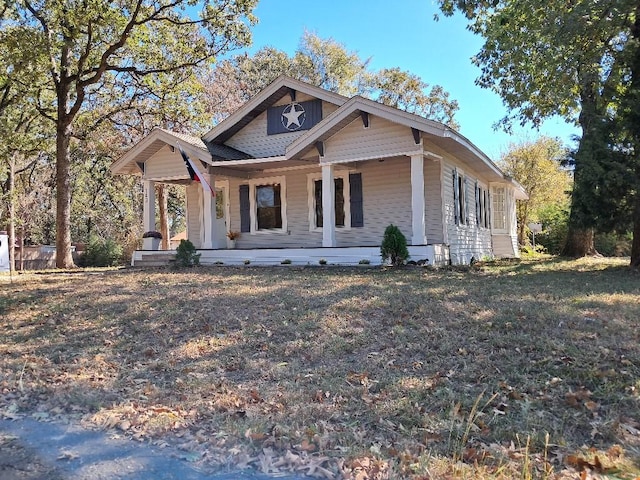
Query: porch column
x=328, y=207
x=209, y=214
x=419, y=236
x=148, y=211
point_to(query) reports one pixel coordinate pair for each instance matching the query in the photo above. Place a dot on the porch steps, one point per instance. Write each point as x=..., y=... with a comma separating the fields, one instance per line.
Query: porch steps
x=153, y=260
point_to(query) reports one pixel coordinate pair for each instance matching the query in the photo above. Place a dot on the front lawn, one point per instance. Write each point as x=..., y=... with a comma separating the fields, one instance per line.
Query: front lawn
x=528, y=369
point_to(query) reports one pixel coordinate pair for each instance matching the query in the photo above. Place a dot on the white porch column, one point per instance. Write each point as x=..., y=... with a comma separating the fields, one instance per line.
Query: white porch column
x=209, y=214
x=328, y=207
x=148, y=211
x=419, y=236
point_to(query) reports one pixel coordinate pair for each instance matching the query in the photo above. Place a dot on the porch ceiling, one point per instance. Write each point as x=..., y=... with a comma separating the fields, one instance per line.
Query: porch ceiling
x=245, y=168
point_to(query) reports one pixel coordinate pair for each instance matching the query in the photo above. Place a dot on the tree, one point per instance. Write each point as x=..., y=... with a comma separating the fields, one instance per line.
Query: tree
x=549, y=58
x=24, y=135
x=126, y=48
x=536, y=165
x=327, y=64
x=406, y=91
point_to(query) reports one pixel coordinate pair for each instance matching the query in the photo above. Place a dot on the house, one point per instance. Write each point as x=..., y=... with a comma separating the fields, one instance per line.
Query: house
x=306, y=174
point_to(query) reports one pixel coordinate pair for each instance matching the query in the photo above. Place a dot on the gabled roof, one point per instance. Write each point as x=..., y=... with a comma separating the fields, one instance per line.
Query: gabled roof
x=435, y=132
x=149, y=145
x=280, y=87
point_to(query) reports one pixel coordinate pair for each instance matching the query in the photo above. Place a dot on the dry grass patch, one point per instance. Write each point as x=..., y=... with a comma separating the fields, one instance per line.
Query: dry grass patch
x=527, y=369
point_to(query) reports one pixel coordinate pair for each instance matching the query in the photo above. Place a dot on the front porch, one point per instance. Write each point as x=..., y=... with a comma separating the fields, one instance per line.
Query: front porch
x=437, y=255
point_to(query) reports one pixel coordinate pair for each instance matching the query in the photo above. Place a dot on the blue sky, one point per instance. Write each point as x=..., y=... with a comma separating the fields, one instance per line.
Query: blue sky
x=403, y=33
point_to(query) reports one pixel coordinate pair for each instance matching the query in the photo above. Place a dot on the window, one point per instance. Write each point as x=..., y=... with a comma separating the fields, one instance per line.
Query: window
x=461, y=213
x=263, y=205
x=482, y=206
x=219, y=203
x=341, y=201
x=499, y=208
x=268, y=207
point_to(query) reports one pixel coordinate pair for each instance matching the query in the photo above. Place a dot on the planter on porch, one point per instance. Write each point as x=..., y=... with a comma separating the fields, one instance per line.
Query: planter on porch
x=151, y=240
x=232, y=236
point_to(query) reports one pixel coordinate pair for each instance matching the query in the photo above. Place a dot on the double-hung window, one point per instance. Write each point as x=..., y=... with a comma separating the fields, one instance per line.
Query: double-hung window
x=263, y=205
x=269, y=207
x=341, y=201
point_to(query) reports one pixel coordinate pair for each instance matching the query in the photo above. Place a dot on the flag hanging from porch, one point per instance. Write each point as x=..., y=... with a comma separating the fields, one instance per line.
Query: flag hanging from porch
x=194, y=174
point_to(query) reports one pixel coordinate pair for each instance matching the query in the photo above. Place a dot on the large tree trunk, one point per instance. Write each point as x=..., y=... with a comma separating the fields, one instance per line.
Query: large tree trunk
x=579, y=243
x=63, y=197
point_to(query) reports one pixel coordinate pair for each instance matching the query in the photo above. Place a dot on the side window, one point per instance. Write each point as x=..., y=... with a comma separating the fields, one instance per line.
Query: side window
x=338, y=201
x=499, y=208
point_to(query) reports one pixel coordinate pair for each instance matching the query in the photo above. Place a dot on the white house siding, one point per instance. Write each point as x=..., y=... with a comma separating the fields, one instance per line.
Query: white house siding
x=193, y=214
x=386, y=200
x=382, y=139
x=165, y=165
x=433, y=200
x=469, y=240
x=253, y=138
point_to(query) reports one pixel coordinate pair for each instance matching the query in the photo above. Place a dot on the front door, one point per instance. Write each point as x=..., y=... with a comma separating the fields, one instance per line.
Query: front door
x=222, y=215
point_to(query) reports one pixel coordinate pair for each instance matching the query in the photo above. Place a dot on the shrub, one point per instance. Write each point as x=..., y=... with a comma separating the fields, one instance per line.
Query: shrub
x=322, y=261
x=286, y=261
x=186, y=255
x=101, y=252
x=394, y=246
x=554, y=221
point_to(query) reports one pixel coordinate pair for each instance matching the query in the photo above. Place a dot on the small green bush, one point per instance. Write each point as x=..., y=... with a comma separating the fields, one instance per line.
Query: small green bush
x=286, y=261
x=322, y=261
x=186, y=255
x=364, y=261
x=101, y=252
x=394, y=246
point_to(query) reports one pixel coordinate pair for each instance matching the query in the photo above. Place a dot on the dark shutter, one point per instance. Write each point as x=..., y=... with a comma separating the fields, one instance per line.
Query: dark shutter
x=456, y=205
x=245, y=209
x=466, y=201
x=477, y=195
x=355, y=191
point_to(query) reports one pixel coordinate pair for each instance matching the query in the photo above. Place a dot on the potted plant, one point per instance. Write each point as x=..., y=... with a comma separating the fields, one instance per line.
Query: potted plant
x=151, y=240
x=232, y=236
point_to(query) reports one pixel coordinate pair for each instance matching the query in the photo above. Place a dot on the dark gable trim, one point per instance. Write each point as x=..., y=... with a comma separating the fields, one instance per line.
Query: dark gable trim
x=416, y=135
x=365, y=119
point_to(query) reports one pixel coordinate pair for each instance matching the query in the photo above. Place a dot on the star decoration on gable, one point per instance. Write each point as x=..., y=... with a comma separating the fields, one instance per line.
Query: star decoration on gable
x=293, y=116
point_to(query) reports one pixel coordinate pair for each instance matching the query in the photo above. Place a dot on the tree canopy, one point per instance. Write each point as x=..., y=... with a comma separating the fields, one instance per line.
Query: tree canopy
x=327, y=64
x=562, y=58
x=537, y=166
x=120, y=53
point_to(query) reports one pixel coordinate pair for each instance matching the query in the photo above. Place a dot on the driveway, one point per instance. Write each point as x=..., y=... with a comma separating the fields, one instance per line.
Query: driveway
x=34, y=450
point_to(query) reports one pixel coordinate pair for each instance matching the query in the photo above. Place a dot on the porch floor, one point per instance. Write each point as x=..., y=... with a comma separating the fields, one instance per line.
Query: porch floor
x=433, y=254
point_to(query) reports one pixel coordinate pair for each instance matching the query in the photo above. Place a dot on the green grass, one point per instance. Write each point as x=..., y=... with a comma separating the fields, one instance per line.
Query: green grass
x=506, y=369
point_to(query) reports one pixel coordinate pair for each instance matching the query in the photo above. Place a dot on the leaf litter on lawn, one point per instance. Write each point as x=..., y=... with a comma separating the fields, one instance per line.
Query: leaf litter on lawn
x=501, y=370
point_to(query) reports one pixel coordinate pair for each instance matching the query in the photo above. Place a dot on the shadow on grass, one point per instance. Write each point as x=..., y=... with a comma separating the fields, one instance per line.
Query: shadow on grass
x=359, y=357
